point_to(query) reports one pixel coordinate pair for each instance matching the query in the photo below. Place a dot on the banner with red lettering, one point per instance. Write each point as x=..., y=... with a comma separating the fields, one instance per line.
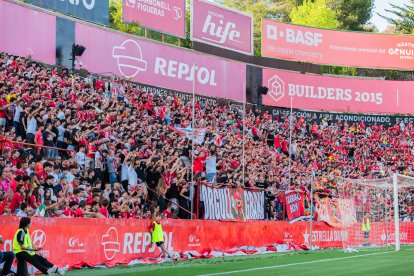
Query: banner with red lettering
x=295, y=205
x=221, y=26
x=160, y=65
x=119, y=241
x=312, y=92
x=26, y=32
x=369, y=50
x=166, y=16
x=340, y=212
x=228, y=203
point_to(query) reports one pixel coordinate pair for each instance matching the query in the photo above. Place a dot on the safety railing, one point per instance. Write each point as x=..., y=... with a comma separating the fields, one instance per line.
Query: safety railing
x=14, y=145
x=172, y=202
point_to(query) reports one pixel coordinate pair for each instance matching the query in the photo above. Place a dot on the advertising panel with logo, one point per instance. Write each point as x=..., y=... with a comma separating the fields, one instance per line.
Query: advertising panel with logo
x=166, y=16
x=160, y=65
x=313, y=92
x=91, y=10
x=93, y=242
x=293, y=42
x=221, y=27
x=33, y=34
x=232, y=204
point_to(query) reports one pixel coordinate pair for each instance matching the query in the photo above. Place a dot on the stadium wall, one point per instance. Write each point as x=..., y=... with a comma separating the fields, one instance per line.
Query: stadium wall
x=93, y=242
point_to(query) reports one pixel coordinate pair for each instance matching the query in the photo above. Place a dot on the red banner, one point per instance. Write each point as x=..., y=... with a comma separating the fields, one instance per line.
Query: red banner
x=312, y=92
x=295, y=205
x=232, y=204
x=27, y=32
x=338, y=212
x=293, y=42
x=110, y=241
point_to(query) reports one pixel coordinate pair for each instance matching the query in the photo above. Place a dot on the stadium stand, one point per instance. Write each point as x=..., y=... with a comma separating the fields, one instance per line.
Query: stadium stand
x=107, y=149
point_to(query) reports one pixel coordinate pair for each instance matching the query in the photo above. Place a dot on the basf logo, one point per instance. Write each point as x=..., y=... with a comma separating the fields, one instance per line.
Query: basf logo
x=294, y=36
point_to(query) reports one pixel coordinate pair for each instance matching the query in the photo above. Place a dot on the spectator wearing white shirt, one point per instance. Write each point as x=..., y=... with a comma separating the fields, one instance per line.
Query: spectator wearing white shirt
x=80, y=157
x=211, y=167
x=16, y=117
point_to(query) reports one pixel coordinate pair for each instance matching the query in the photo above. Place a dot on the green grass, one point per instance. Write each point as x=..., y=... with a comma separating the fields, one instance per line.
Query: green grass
x=368, y=262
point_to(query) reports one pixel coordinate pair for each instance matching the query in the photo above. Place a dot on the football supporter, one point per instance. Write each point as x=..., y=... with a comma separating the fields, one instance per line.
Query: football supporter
x=140, y=142
x=26, y=252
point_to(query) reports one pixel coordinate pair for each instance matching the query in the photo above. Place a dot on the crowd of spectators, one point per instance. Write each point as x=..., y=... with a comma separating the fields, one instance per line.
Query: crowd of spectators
x=99, y=147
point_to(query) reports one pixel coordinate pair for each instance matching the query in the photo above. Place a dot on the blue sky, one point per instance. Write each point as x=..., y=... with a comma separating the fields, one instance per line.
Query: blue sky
x=380, y=6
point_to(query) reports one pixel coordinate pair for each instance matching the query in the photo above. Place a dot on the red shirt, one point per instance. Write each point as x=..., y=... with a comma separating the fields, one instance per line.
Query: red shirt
x=167, y=214
x=104, y=211
x=2, y=112
x=33, y=201
x=89, y=200
x=285, y=146
x=15, y=201
x=123, y=215
x=277, y=142
x=79, y=213
x=69, y=213
x=39, y=138
x=198, y=164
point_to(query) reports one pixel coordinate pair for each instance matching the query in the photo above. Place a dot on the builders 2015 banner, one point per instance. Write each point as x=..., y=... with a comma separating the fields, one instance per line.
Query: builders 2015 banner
x=293, y=42
x=340, y=212
x=232, y=204
x=311, y=92
x=295, y=205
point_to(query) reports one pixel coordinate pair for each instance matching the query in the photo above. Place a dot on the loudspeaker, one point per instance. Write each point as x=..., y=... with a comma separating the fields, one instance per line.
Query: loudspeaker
x=262, y=90
x=77, y=50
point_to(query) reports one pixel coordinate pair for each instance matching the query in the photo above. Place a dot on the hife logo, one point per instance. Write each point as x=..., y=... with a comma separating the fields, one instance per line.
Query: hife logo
x=110, y=243
x=129, y=58
x=276, y=88
x=219, y=30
